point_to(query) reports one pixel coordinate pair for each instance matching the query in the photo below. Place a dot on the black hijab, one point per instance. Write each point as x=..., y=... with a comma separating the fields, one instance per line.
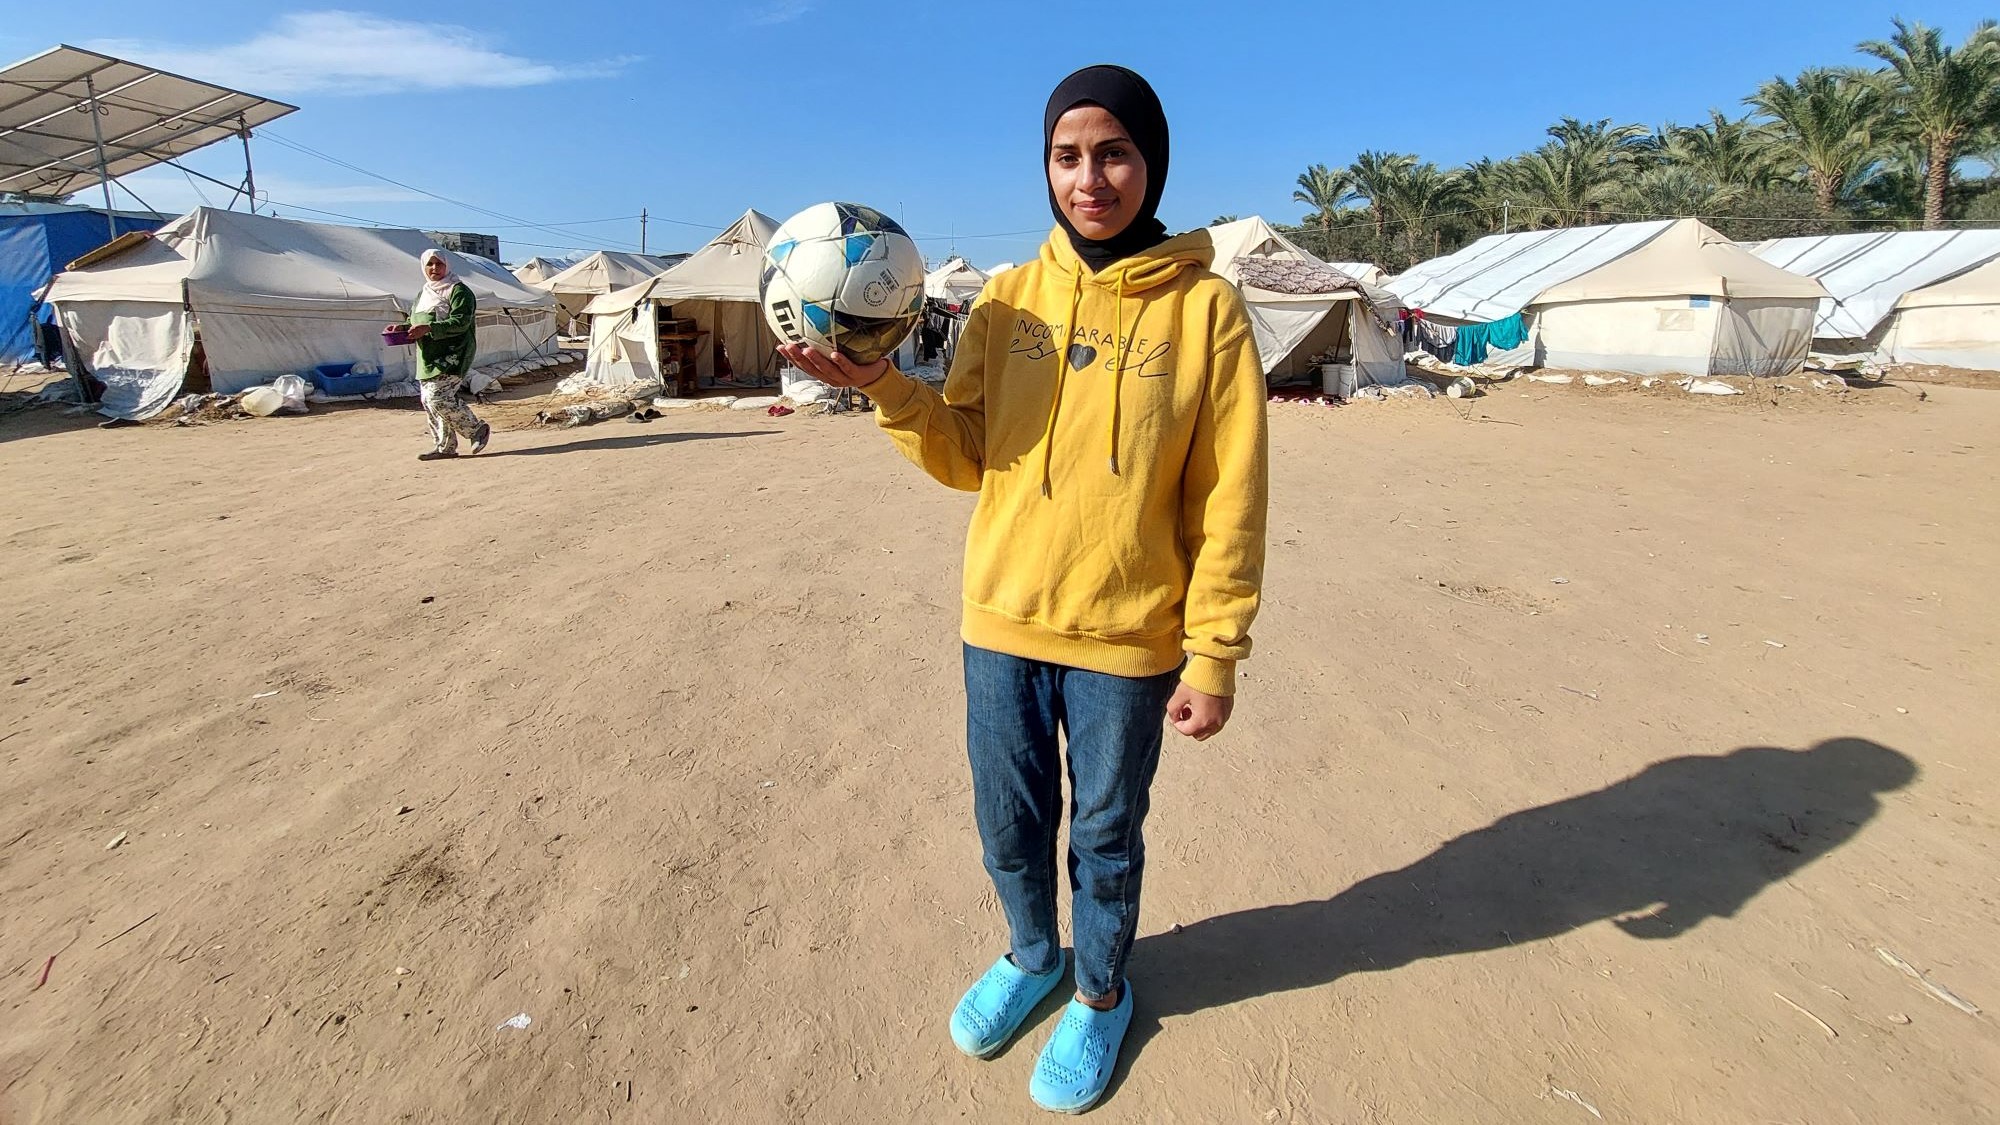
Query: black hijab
x=1127, y=97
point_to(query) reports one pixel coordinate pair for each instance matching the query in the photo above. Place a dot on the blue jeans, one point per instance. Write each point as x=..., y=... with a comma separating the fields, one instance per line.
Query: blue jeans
x=1014, y=709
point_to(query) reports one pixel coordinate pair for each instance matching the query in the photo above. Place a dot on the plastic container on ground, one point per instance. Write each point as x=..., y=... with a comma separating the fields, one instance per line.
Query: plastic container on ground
x=262, y=401
x=1337, y=379
x=338, y=379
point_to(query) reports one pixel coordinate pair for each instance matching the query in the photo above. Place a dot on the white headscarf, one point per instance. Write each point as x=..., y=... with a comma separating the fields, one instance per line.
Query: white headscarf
x=436, y=297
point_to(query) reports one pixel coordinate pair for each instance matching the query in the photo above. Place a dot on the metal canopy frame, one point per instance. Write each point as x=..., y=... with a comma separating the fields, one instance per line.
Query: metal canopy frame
x=70, y=118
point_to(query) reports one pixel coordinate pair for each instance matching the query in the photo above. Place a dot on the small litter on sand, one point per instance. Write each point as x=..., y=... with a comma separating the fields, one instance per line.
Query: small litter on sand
x=586, y=413
x=1930, y=986
x=1709, y=387
x=1572, y=1096
x=518, y=1023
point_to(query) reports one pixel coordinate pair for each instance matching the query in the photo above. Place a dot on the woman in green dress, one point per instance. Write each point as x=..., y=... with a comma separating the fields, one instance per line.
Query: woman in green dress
x=441, y=326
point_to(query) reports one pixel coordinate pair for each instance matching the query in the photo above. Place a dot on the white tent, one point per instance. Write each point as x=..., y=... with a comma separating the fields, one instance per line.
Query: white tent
x=1955, y=323
x=267, y=297
x=1665, y=297
x=716, y=287
x=534, y=271
x=603, y=272
x=1362, y=271
x=1289, y=313
x=1918, y=296
x=996, y=269
x=956, y=281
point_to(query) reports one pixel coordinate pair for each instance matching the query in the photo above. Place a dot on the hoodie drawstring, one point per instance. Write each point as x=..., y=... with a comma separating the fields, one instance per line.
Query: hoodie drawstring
x=1062, y=376
x=1117, y=371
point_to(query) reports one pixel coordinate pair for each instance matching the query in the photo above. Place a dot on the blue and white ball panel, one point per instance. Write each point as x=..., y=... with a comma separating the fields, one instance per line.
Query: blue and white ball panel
x=845, y=276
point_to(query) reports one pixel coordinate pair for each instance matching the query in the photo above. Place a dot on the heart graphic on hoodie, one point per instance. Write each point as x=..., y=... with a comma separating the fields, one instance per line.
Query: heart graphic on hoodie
x=1080, y=356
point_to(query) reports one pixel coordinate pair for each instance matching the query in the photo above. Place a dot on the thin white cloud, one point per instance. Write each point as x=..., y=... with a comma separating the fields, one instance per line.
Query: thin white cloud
x=780, y=11
x=338, y=52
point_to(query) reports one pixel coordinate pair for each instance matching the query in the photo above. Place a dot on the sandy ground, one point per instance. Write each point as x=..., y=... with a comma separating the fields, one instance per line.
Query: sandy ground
x=1600, y=752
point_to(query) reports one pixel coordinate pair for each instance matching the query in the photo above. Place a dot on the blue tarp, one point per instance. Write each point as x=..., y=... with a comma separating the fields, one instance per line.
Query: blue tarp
x=35, y=247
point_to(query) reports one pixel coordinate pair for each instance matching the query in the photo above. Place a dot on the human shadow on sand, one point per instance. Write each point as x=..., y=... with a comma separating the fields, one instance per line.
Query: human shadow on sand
x=1658, y=853
x=628, y=441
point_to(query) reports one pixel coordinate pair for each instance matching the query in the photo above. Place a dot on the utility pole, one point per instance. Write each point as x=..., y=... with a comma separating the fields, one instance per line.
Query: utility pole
x=1506, y=214
x=642, y=230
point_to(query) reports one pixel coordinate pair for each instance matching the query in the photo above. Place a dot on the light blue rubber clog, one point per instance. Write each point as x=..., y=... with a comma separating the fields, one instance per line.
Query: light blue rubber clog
x=1076, y=1065
x=993, y=1008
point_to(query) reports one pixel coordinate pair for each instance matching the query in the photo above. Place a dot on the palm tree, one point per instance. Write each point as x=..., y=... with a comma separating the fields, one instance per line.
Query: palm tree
x=1823, y=123
x=1679, y=191
x=1418, y=198
x=1323, y=190
x=1373, y=176
x=1944, y=95
x=1493, y=187
x=1895, y=190
x=1221, y=219
x=1602, y=142
x=1650, y=151
x=1721, y=150
x=1580, y=170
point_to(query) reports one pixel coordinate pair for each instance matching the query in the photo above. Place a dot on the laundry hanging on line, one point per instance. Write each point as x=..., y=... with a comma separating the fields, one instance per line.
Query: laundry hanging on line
x=1419, y=334
x=1475, y=340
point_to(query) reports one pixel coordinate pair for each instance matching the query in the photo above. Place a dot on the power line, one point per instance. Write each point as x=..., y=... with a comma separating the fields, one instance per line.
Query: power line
x=512, y=219
x=352, y=167
x=570, y=223
x=514, y=222
x=202, y=195
x=379, y=224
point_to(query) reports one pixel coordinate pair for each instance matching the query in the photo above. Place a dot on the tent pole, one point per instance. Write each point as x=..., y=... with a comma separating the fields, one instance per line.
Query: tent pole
x=249, y=175
x=103, y=168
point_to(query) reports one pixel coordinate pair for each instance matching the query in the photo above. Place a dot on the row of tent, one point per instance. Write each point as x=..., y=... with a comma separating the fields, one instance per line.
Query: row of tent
x=1665, y=297
x=1924, y=297
x=604, y=271
x=716, y=288
x=247, y=297
x=1677, y=297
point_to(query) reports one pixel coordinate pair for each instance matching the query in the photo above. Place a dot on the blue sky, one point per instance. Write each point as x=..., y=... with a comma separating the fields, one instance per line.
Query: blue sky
x=559, y=113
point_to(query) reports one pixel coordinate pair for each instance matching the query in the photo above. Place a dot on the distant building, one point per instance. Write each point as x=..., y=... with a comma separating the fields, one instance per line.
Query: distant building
x=459, y=242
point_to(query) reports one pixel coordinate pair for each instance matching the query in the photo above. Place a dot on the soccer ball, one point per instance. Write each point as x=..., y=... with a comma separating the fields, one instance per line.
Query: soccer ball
x=842, y=276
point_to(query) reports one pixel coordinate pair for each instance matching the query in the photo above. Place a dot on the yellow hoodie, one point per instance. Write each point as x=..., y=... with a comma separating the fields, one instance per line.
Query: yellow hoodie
x=1113, y=426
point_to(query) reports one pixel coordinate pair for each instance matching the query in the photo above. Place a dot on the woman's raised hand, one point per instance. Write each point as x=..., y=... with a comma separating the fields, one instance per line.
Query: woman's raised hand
x=832, y=368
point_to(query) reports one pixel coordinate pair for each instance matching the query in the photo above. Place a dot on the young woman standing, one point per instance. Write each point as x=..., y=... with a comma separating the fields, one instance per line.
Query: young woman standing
x=1107, y=404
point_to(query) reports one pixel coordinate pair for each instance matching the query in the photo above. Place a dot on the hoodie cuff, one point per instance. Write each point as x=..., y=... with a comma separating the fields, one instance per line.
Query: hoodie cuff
x=1210, y=676
x=890, y=393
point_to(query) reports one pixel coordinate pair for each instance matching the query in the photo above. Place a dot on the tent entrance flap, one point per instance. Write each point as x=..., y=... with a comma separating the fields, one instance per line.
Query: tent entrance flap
x=1761, y=337
x=1284, y=325
x=138, y=350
